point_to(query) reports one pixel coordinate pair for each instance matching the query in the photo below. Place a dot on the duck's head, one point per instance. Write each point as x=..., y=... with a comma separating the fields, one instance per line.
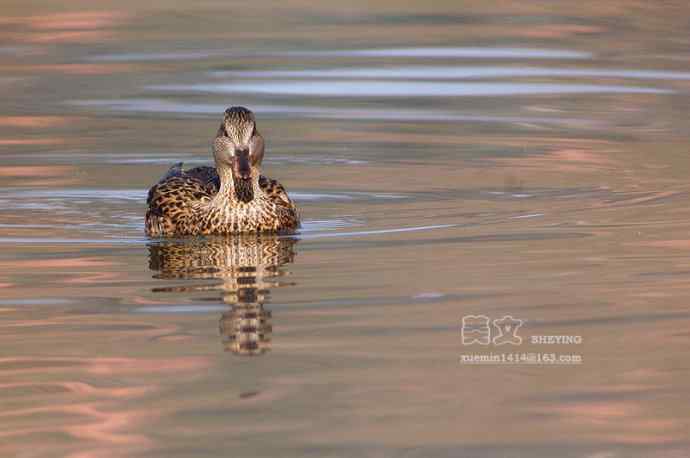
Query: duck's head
x=238, y=150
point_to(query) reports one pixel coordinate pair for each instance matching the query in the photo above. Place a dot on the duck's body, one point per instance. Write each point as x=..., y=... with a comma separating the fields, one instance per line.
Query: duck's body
x=190, y=202
x=231, y=198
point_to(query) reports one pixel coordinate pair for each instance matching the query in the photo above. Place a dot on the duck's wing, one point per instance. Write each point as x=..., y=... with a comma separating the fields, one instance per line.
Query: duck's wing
x=203, y=176
x=170, y=200
x=276, y=192
x=207, y=175
x=287, y=214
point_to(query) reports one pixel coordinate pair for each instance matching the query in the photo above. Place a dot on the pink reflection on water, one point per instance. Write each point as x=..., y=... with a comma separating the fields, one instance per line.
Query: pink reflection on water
x=101, y=366
x=682, y=244
x=36, y=121
x=93, y=278
x=624, y=421
x=106, y=425
x=102, y=424
x=56, y=263
x=559, y=30
x=110, y=366
x=30, y=141
x=53, y=175
x=71, y=69
x=101, y=418
x=566, y=160
x=81, y=389
x=35, y=171
x=83, y=26
x=85, y=20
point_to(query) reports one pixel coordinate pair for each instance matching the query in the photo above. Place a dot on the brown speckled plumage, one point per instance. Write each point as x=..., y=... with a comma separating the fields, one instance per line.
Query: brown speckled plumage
x=231, y=198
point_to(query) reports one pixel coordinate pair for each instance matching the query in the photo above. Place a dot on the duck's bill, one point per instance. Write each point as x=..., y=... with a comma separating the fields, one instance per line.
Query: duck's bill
x=241, y=168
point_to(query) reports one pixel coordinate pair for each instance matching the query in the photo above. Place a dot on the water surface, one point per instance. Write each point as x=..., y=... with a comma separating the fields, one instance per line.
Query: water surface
x=448, y=160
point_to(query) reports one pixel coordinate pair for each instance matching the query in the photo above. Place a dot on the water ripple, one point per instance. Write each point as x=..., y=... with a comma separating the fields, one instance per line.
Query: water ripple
x=418, y=52
x=448, y=72
x=365, y=88
x=292, y=111
x=452, y=52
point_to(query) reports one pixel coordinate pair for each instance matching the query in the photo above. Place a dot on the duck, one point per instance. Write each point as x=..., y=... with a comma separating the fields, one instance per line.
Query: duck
x=231, y=198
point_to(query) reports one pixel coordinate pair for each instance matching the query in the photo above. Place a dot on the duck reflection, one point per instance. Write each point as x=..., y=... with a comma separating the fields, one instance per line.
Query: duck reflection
x=248, y=267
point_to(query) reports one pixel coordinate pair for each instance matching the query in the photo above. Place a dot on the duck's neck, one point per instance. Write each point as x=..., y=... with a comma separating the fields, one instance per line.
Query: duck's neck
x=233, y=192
